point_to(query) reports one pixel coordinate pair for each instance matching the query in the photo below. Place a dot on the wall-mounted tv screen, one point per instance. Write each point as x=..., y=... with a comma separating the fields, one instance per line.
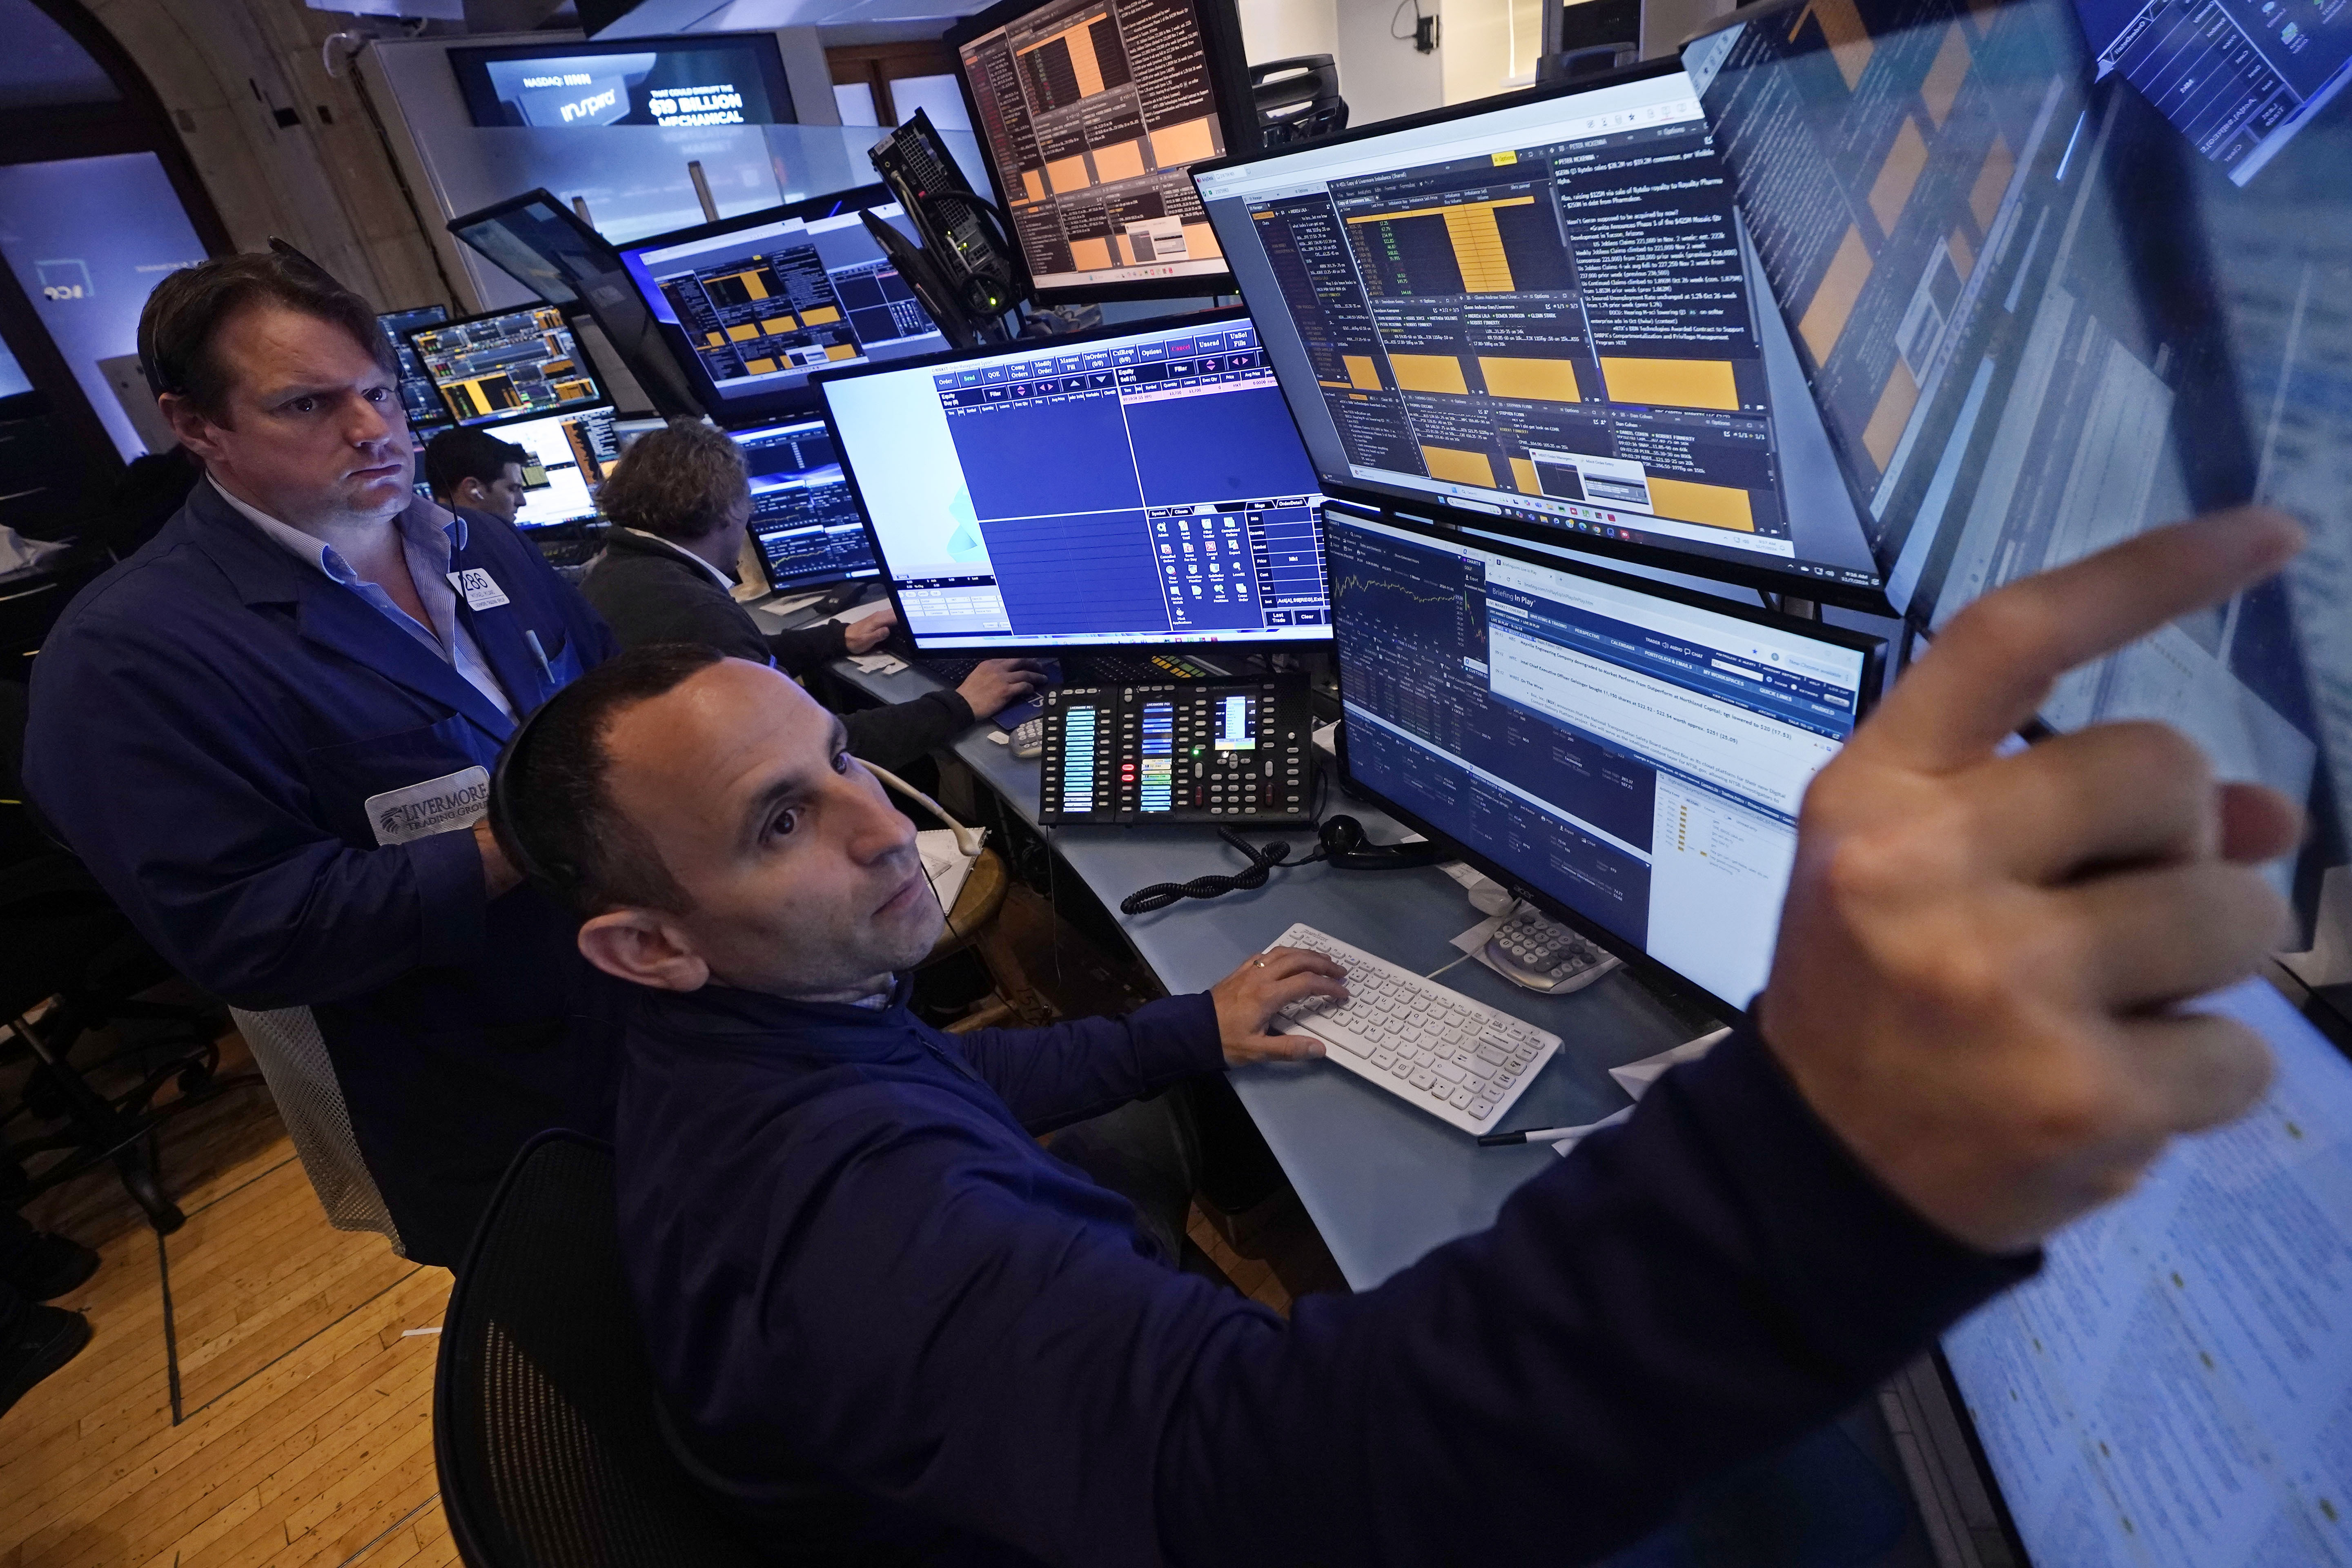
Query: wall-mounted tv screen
x=717, y=78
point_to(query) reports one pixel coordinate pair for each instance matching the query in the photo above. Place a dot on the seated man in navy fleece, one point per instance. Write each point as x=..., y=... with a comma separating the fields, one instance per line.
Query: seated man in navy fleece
x=895, y=1329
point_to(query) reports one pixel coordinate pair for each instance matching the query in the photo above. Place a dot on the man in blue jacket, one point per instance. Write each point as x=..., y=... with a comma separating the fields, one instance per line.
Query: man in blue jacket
x=268, y=734
x=891, y=1326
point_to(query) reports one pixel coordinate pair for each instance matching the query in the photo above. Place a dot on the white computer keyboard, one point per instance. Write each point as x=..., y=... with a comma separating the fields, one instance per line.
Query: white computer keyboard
x=1459, y=1060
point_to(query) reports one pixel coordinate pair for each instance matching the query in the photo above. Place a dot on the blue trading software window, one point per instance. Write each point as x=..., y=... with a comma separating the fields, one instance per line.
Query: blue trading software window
x=1147, y=487
x=1635, y=758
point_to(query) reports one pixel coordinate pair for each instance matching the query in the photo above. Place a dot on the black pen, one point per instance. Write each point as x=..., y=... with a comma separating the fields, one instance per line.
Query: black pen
x=1551, y=1134
x=1531, y=1135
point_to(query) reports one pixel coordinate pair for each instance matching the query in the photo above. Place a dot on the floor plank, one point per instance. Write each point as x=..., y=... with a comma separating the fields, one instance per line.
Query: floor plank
x=307, y=1429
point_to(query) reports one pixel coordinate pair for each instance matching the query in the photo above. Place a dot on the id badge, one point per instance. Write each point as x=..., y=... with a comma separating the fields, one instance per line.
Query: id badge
x=437, y=806
x=481, y=590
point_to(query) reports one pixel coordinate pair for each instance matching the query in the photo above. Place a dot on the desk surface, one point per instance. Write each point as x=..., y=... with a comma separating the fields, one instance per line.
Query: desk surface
x=1384, y=1182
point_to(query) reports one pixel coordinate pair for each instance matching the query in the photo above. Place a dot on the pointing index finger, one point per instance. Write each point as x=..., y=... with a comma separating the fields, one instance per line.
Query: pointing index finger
x=1993, y=665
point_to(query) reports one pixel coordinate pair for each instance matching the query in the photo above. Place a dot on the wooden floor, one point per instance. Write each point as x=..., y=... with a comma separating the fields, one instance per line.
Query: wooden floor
x=255, y=1391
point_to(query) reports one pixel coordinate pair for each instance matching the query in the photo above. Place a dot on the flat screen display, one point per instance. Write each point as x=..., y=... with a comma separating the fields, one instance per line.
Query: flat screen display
x=1634, y=757
x=2038, y=320
x=1117, y=488
x=2174, y=1389
x=418, y=395
x=505, y=364
x=2059, y=273
x=570, y=454
x=1545, y=314
x=1090, y=112
x=721, y=78
x=753, y=306
x=803, y=517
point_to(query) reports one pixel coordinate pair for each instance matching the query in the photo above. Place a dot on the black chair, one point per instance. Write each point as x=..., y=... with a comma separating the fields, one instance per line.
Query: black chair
x=63, y=941
x=1587, y=38
x=544, y=1424
x=1298, y=99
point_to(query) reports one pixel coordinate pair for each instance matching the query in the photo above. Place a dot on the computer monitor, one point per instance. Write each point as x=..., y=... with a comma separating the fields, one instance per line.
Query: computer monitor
x=570, y=454
x=2060, y=273
x=1629, y=754
x=1089, y=112
x=803, y=517
x=1538, y=313
x=2174, y=1388
x=504, y=364
x=544, y=246
x=417, y=394
x=752, y=306
x=2039, y=318
x=1128, y=488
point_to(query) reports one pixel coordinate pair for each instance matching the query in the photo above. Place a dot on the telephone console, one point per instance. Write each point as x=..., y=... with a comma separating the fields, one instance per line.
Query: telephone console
x=1188, y=751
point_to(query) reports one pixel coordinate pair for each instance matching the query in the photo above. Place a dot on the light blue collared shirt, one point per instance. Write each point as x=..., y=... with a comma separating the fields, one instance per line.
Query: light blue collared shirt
x=428, y=550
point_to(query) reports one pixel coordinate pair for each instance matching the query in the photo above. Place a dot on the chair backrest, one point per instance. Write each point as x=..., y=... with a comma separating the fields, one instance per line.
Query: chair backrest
x=1298, y=99
x=1592, y=59
x=544, y=1425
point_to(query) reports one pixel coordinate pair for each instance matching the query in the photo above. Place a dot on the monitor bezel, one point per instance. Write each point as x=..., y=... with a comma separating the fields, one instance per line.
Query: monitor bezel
x=1055, y=345
x=653, y=363
x=1771, y=579
x=881, y=574
x=603, y=393
x=1873, y=649
x=604, y=404
x=1236, y=110
x=764, y=407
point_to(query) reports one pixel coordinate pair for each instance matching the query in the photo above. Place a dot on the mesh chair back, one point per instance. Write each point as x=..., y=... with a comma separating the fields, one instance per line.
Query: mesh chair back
x=544, y=1425
x=1298, y=99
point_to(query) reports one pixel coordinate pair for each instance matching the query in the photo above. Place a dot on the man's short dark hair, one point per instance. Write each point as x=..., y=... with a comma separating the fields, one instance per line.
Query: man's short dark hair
x=184, y=316
x=678, y=483
x=456, y=456
x=552, y=808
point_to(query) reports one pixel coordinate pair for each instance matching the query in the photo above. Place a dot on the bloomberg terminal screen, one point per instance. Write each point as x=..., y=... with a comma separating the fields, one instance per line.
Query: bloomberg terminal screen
x=1545, y=312
x=1092, y=112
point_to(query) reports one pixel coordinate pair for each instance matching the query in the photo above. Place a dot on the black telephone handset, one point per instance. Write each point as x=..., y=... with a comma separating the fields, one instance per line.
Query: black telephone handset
x=968, y=257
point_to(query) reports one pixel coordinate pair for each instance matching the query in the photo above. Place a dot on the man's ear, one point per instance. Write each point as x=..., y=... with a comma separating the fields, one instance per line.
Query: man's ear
x=470, y=492
x=643, y=948
x=193, y=430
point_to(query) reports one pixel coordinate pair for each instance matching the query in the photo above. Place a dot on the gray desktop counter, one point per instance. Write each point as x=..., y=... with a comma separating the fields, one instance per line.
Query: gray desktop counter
x=1384, y=1182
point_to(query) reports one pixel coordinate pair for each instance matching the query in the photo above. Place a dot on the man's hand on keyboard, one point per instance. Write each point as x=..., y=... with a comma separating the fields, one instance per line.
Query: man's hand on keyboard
x=1248, y=999
x=1980, y=954
x=995, y=682
x=868, y=631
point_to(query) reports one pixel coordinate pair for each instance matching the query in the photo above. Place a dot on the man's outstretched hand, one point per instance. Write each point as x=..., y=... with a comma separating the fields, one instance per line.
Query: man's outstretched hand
x=1979, y=954
x=1249, y=998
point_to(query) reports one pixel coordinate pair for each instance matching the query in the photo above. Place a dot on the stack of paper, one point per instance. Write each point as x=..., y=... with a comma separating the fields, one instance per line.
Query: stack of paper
x=944, y=863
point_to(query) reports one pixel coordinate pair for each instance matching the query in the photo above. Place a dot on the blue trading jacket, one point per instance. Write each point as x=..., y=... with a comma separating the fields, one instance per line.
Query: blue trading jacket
x=857, y=1270
x=208, y=720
